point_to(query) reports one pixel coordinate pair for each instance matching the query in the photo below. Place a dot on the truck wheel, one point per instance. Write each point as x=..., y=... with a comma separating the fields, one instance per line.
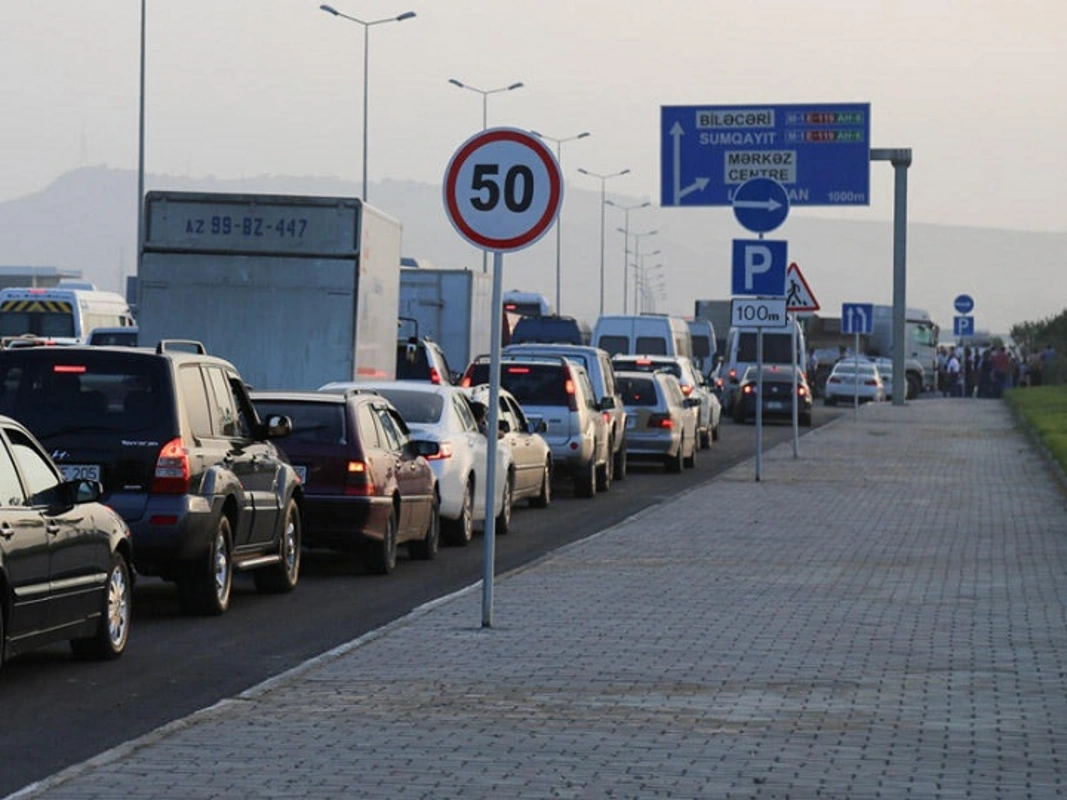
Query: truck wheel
x=282, y=577
x=205, y=587
x=914, y=387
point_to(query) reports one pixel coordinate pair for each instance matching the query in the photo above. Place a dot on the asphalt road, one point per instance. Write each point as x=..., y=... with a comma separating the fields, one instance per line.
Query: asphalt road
x=58, y=711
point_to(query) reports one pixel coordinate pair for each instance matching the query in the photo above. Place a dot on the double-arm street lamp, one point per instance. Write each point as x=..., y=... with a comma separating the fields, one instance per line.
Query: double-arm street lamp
x=559, y=219
x=366, y=64
x=485, y=123
x=625, y=231
x=603, y=200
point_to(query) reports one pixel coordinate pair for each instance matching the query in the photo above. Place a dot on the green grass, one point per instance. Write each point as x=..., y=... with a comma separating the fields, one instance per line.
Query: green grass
x=1044, y=408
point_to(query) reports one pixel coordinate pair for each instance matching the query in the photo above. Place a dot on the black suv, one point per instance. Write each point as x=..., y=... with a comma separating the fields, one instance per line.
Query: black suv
x=182, y=456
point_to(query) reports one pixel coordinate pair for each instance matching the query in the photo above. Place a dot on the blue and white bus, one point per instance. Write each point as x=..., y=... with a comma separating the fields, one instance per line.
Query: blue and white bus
x=65, y=314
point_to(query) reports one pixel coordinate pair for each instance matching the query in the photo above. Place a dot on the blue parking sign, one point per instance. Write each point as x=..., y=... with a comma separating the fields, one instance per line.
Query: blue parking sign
x=759, y=267
x=963, y=326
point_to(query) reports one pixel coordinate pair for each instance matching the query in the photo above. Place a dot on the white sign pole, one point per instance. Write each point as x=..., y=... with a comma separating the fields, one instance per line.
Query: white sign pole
x=796, y=383
x=759, y=404
x=488, y=569
x=856, y=378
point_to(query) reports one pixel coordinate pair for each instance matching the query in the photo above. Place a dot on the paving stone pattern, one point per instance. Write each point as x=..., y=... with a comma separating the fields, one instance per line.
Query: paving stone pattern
x=881, y=617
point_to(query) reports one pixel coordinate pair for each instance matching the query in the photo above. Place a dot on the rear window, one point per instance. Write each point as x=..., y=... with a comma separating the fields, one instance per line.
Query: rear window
x=776, y=347
x=67, y=390
x=637, y=365
x=534, y=384
x=701, y=346
x=313, y=423
x=415, y=407
x=637, y=391
x=652, y=345
x=547, y=329
x=614, y=344
x=411, y=363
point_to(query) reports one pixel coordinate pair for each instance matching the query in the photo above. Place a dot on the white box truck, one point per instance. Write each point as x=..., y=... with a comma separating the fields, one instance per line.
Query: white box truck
x=295, y=291
x=454, y=307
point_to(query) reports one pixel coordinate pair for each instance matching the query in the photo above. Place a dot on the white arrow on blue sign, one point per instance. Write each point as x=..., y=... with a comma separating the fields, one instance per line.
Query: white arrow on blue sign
x=857, y=317
x=964, y=304
x=759, y=267
x=761, y=204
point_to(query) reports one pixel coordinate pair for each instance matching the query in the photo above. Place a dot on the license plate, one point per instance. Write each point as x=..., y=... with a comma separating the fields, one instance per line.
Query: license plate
x=775, y=405
x=80, y=472
x=302, y=472
x=631, y=421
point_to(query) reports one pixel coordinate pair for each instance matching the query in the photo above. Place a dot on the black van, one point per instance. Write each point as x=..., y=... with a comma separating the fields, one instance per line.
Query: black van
x=550, y=329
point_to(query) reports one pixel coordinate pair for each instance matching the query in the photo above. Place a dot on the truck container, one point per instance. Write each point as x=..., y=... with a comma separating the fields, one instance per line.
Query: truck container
x=920, y=346
x=295, y=291
x=454, y=307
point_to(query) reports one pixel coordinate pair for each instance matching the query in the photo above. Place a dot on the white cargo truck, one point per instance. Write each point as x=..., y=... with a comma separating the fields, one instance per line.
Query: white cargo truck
x=295, y=291
x=454, y=307
x=920, y=346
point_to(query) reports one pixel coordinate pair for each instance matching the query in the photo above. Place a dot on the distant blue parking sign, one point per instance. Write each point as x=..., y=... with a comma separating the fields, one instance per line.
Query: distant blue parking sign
x=819, y=153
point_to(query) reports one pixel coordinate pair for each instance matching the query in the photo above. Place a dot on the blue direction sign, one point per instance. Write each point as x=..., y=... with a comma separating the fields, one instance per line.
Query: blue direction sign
x=819, y=153
x=761, y=204
x=963, y=326
x=857, y=317
x=964, y=304
x=759, y=267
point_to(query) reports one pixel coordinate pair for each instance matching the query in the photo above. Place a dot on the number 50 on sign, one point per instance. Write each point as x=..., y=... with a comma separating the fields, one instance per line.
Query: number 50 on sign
x=502, y=189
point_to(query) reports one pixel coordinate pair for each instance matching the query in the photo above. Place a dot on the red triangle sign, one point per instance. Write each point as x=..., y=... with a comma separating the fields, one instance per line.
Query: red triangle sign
x=798, y=296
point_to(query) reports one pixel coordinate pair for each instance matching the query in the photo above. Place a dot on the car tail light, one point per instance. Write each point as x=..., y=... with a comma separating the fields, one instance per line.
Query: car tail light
x=801, y=391
x=568, y=387
x=660, y=421
x=172, y=469
x=644, y=362
x=357, y=480
x=466, y=382
x=833, y=379
x=518, y=370
x=687, y=389
x=748, y=388
x=67, y=369
x=606, y=416
x=435, y=376
x=444, y=450
x=870, y=382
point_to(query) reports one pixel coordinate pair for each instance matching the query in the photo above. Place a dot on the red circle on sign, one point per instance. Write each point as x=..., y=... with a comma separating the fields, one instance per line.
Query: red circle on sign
x=555, y=188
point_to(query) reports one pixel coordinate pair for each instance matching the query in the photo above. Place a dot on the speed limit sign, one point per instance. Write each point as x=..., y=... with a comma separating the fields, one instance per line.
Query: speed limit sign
x=502, y=189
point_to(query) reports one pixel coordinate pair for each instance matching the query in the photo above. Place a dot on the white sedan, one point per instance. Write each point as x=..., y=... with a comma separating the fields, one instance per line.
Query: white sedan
x=440, y=415
x=851, y=379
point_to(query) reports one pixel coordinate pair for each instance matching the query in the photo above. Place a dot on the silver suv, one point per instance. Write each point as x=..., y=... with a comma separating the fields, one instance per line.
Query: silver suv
x=557, y=391
x=597, y=363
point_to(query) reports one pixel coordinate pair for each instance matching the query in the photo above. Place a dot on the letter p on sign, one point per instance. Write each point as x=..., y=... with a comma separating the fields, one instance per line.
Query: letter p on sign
x=759, y=267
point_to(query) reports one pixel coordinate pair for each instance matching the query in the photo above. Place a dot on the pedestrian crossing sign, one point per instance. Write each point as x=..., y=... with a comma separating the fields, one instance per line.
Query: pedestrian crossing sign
x=798, y=296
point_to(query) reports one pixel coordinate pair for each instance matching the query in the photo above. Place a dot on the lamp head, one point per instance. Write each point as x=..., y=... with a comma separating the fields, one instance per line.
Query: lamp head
x=454, y=82
x=405, y=15
x=515, y=86
x=330, y=10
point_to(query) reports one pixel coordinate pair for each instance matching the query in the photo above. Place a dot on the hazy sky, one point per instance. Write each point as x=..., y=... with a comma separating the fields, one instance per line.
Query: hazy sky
x=238, y=88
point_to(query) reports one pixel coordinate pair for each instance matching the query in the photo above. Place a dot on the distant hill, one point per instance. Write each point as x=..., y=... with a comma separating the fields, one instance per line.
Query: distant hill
x=87, y=218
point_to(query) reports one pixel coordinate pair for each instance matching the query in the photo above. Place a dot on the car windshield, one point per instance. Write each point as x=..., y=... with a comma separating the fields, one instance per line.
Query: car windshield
x=637, y=391
x=415, y=407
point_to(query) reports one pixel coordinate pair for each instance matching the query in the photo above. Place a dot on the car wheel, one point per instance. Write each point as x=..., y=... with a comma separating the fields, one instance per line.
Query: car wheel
x=426, y=548
x=502, y=523
x=705, y=438
x=715, y=432
x=673, y=463
x=585, y=483
x=605, y=472
x=461, y=531
x=545, y=497
x=914, y=387
x=113, y=628
x=283, y=576
x=829, y=401
x=205, y=589
x=805, y=420
x=381, y=556
x=691, y=461
x=620, y=462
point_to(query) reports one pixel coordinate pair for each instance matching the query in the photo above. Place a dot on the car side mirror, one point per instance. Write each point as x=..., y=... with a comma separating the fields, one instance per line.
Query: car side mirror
x=539, y=426
x=692, y=402
x=278, y=426
x=425, y=448
x=503, y=426
x=607, y=403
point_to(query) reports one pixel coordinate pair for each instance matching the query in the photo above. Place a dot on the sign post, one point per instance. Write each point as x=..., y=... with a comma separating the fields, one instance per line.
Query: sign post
x=502, y=192
x=857, y=318
x=798, y=298
x=758, y=313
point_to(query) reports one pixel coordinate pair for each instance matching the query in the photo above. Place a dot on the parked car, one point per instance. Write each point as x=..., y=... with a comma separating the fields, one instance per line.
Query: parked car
x=422, y=360
x=777, y=396
x=531, y=458
x=851, y=379
x=550, y=328
x=441, y=417
x=64, y=557
x=692, y=383
x=366, y=487
x=660, y=420
x=173, y=437
x=557, y=391
x=597, y=363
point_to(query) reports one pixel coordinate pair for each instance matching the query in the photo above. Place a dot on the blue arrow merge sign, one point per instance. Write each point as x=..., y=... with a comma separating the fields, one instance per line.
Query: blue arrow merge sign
x=857, y=317
x=819, y=153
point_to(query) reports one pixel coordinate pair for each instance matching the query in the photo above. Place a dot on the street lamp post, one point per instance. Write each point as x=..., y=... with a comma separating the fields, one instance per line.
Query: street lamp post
x=485, y=124
x=559, y=219
x=140, y=155
x=626, y=248
x=603, y=200
x=639, y=279
x=366, y=65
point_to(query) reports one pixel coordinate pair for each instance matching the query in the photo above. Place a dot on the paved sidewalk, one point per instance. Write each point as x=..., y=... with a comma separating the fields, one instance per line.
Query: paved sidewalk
x=882, y=617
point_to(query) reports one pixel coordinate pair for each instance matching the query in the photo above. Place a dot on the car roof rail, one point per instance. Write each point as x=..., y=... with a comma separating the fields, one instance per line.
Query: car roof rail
x=181, y=345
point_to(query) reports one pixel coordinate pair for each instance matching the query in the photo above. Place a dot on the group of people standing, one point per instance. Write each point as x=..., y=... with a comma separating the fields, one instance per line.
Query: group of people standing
x=988, y=371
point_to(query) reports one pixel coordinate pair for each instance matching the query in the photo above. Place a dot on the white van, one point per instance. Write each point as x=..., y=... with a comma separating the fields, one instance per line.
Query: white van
x=643, y=334
x=741, y=353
